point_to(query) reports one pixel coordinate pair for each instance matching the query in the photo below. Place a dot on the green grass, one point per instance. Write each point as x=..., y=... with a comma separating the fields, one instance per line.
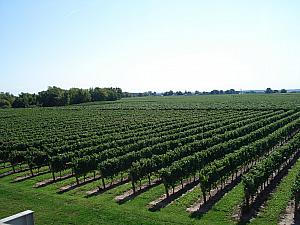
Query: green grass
x=73, y=208
x=3, y=170
x=184, y=202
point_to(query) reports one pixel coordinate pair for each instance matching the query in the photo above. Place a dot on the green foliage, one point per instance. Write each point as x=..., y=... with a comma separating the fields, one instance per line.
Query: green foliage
x=78, y=95
x=276, y=204
x=6, y=100
x=53, y=96
x=4, y=104
x=269, y=91
x=262, y=171
x=190, y=165
x=25, y=100
x=296, y=188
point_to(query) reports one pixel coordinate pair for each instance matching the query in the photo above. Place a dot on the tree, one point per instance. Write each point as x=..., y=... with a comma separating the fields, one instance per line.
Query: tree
x=268, y=91
x=168, y=93
x=127, y=95
x=19, y=103
x=283, y=91
x=25, y=100
x=230, y=91
x=4, y=103
x=112, y=94
x=98, y=94
x=215, y=92
x=78, y=95
x=7, y=99
x=54, y=96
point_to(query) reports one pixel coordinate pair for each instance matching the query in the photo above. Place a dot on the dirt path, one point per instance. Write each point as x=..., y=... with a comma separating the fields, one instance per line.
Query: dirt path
x=51, y=181
x=288, y=217
x=6, y=173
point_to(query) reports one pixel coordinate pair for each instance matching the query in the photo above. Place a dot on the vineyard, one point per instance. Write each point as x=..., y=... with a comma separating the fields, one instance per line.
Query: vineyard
x=156, y=160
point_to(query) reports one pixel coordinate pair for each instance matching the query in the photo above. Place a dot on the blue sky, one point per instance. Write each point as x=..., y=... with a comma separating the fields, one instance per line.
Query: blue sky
x=142, y=45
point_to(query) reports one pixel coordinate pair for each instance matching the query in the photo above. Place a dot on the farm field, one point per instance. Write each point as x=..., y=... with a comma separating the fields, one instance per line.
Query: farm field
x=225, y=159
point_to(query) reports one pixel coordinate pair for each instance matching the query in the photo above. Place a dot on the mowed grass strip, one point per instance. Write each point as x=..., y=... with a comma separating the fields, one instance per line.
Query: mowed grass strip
x=74, y=208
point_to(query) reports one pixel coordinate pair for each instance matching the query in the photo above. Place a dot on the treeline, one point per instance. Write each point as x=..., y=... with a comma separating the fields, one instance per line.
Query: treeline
x=55, y=96
x=179, y=93
x=213, y=92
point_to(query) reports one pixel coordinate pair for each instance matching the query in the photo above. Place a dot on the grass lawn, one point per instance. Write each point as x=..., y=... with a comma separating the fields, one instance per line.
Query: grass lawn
x=73, y=208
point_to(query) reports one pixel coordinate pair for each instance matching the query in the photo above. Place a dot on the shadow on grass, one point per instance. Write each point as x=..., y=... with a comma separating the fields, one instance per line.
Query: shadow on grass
x=101, y=190
x=127, y=197
x=29, y=176
x=166, y=201
x=75, y=185
x=51, y=181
